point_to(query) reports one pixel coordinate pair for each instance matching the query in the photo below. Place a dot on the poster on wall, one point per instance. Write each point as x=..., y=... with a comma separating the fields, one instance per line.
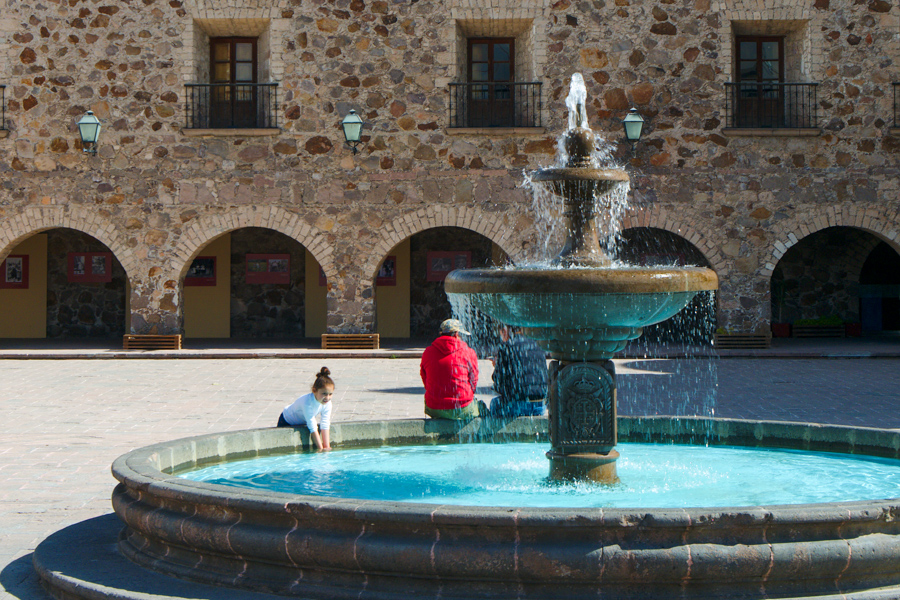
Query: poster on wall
x=440, y=264
x=202, y=272
x=387, y=274
x=14, y=272
x=268, y=268
x=90, y=267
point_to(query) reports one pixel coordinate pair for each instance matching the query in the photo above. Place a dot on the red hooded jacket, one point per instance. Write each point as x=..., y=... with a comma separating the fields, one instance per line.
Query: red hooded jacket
x=449, y=371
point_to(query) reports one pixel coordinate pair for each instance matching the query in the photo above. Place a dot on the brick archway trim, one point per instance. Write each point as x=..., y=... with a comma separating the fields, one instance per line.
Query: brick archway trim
x=491, y=225
x=882, y=225
x=661, y=219
x=35, y=219
x=208, y=227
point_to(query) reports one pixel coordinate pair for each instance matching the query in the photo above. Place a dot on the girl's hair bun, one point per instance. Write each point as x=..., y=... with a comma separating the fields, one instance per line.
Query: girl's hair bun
x=324, y=372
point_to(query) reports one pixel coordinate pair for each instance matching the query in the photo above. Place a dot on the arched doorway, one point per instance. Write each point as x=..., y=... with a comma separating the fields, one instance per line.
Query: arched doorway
x=253, y=283
x=409, y=287
x=62, y=284
x=817, y=281
x=879, y=290
x=653, y=247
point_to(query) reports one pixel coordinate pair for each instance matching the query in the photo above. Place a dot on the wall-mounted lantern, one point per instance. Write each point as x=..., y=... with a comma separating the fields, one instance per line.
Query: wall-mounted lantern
x=634, y=125
x=352, y=125
x=89, y=129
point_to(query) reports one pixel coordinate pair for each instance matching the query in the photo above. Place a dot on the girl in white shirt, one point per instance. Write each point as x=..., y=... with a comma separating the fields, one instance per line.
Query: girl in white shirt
x=306, y=408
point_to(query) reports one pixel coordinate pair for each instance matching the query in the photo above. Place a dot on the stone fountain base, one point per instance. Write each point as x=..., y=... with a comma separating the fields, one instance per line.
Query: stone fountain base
x=582, y=415
x=312, y=547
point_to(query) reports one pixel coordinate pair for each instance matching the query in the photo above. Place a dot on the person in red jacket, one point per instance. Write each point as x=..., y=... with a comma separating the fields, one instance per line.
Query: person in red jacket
x=449, y=370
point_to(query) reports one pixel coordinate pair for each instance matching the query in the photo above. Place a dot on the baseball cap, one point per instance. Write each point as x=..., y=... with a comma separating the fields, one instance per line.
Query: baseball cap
x=453, y=326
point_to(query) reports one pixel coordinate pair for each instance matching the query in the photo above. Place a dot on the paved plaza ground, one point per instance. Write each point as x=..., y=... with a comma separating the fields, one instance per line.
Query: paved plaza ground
x=63, y=422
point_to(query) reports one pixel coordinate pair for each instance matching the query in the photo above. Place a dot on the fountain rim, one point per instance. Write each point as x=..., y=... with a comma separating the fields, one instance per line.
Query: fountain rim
x=590, y=280
x=587, y=174
x=140, y=470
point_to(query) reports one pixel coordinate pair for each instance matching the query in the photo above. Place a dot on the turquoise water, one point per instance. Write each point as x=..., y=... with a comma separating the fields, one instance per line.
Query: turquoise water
x=515, y=474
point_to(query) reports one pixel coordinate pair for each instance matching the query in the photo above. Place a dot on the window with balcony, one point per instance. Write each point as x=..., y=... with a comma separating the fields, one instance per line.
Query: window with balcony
x=228, y=94
x=762, y=97
x=495, y=91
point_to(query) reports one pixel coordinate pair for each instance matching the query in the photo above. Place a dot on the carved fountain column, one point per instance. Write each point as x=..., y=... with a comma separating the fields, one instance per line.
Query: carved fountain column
x=582, y=413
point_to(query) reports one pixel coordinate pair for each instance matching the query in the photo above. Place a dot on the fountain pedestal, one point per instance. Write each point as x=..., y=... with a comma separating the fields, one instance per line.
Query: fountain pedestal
x=582, y=413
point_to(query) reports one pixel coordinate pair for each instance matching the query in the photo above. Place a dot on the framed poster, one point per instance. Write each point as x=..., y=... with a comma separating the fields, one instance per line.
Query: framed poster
x=387, y=274
x=14, y=272
x=90, y=267
x=439, y=264
x=268, y=268
x=201, y=272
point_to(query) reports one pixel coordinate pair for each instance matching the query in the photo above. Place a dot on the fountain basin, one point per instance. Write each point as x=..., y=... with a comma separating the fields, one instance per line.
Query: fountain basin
x=341, y=548
x=579, y=314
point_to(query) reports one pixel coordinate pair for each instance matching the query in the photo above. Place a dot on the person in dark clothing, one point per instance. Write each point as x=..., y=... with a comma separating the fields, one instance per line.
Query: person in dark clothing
x=520, y=376
x=449, y=370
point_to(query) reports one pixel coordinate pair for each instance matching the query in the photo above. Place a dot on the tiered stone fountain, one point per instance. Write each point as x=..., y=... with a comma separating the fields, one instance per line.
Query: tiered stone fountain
x=582, y=309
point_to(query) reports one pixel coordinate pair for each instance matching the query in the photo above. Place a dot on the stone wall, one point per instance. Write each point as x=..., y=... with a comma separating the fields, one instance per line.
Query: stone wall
x=819, y=277
x=77, y=310
x=156, y=193
x=268, y=310
x=428, y=302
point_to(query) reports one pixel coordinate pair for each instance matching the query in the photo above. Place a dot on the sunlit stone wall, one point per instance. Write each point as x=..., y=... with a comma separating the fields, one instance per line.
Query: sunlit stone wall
x=155, y=194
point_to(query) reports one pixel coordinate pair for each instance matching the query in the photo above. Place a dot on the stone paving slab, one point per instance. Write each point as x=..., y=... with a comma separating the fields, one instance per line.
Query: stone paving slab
x=63, y=422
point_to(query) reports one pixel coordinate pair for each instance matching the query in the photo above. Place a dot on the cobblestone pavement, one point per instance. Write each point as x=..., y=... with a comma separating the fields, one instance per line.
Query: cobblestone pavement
x=63, y=422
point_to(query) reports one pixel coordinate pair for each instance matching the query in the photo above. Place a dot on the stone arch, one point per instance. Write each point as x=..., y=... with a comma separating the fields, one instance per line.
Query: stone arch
x=646, y=217
x=208, y=227
x=35, y=219
x=884, y=226
x=491, y=225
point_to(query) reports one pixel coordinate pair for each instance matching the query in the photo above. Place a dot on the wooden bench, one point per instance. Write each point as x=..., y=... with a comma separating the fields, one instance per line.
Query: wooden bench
x=350, y=341
x=133, y=341
x=742, y=341
x=819, y=331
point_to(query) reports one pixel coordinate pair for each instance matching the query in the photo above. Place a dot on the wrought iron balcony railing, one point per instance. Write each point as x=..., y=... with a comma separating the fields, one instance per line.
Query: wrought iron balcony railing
x=897, y=105
x=509, y=104
x=771, y=105
x=231, y=106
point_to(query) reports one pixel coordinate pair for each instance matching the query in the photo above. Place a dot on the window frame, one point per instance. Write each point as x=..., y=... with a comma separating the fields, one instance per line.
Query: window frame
x=232, y=59
x=759, y=40
x=491, y=41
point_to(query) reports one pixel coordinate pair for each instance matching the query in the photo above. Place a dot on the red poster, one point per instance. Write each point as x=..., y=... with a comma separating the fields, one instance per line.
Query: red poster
x=387, y=274
x=14, y=272
x=441, y=263
x=90, y=267
x=202, y=272
x=268, y=268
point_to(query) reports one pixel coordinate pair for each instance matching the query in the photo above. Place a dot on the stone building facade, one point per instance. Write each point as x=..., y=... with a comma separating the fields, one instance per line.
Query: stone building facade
x=164, y=185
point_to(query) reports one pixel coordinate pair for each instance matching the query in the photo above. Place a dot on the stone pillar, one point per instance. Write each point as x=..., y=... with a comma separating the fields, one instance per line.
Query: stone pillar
x=156, y=307
x=583, y=421
x=351, y=308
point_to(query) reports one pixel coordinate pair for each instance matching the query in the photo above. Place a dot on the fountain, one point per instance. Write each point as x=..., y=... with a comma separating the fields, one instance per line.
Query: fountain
x=583, y=308
x=319, y=547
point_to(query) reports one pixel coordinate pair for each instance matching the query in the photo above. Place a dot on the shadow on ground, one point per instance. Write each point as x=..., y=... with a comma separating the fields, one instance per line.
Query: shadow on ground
x=18, y=579
x=85, y=557
x=402, y=390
